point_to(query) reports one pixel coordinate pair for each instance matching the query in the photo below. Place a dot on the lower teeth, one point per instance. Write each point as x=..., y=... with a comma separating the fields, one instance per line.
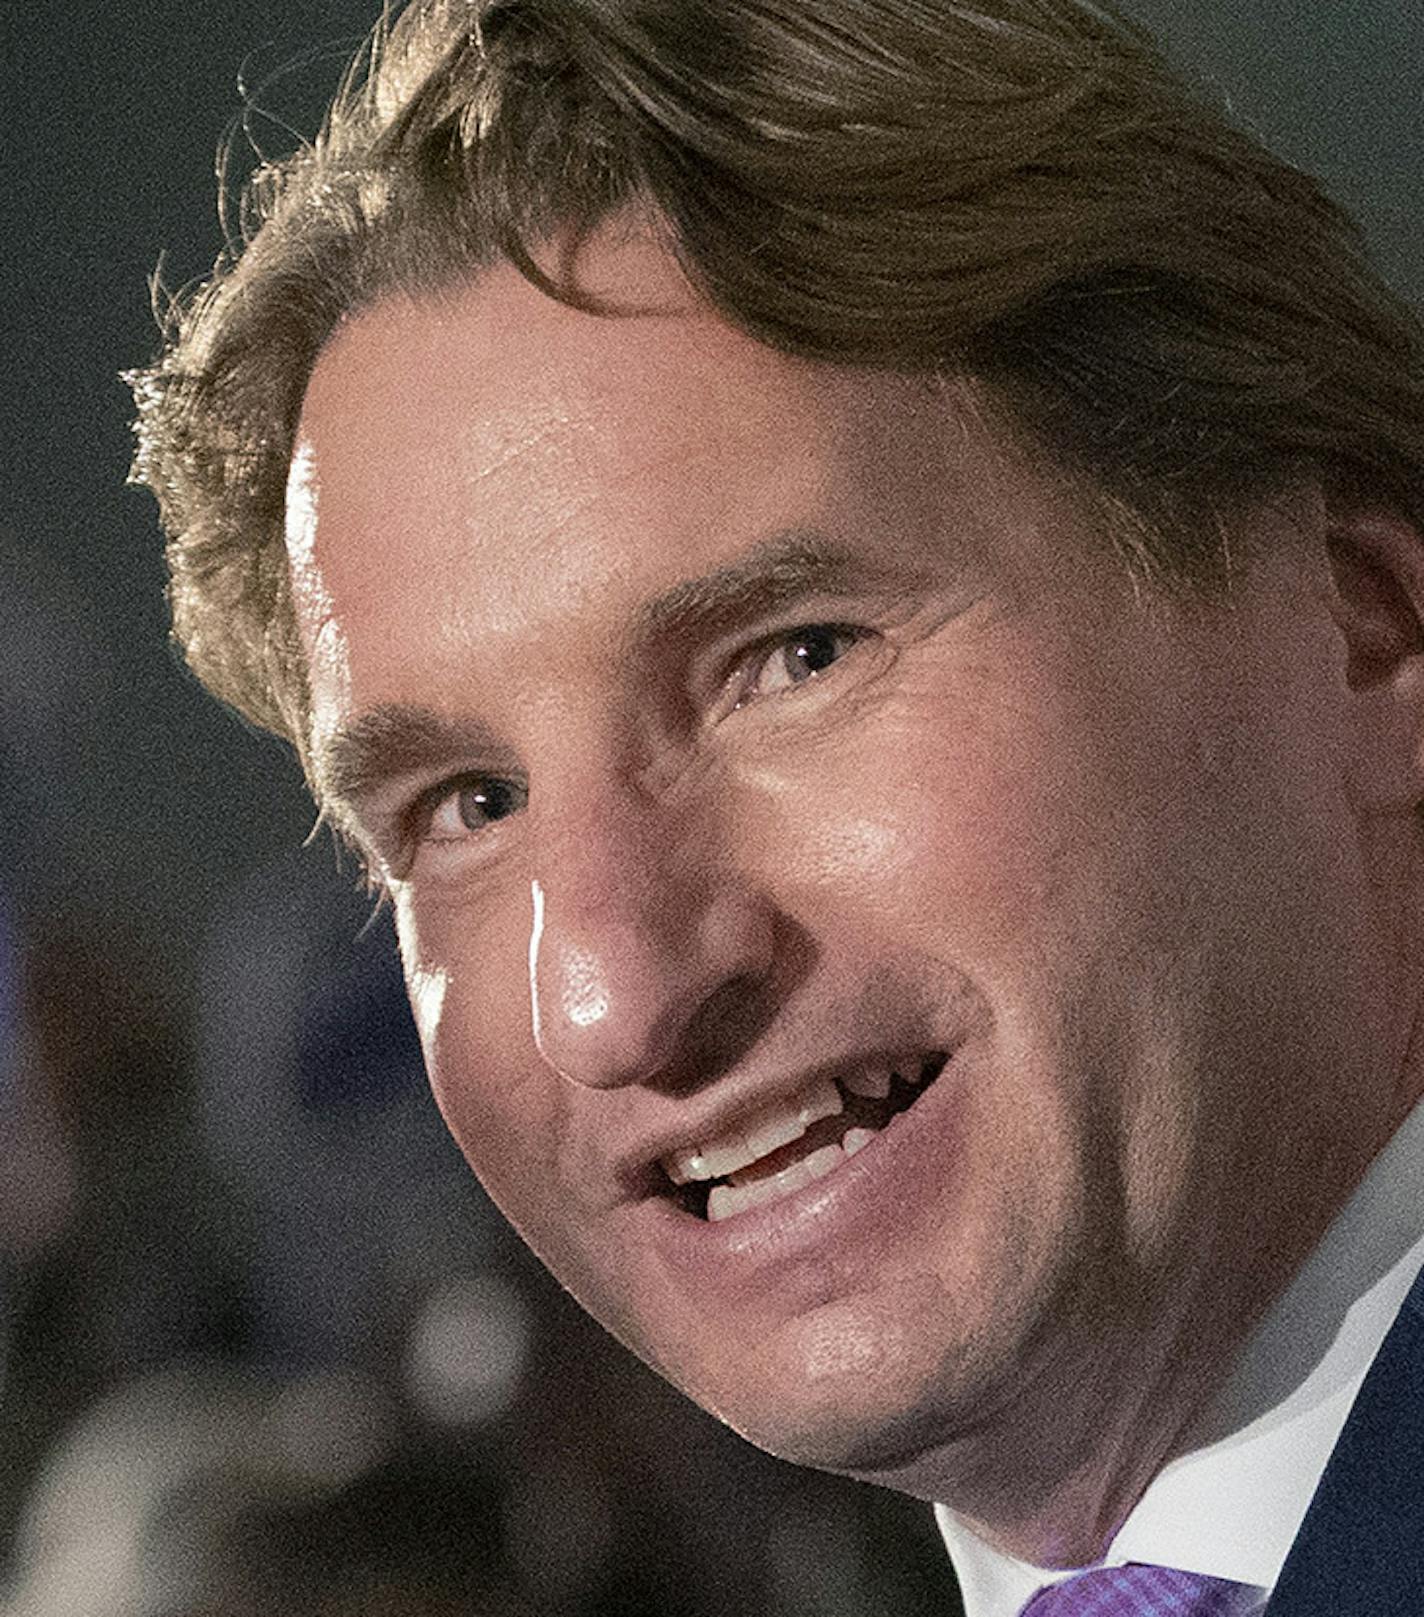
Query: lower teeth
x=726, y=1199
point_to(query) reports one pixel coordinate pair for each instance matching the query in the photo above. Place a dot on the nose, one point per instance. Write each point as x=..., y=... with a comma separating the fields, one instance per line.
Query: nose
x=629, y=947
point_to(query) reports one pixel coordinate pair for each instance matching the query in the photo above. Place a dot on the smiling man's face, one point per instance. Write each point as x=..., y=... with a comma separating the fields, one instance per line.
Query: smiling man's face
x=739, y=737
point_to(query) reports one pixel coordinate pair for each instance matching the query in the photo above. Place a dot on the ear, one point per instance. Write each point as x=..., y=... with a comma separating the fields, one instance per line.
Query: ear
x=1377, y=601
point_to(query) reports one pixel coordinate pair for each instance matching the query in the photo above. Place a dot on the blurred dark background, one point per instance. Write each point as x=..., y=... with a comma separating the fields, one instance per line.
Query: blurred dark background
x=263, y=1344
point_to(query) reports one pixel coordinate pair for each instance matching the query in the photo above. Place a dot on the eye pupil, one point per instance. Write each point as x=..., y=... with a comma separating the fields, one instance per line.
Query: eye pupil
x=487, y=800
x=814, y=650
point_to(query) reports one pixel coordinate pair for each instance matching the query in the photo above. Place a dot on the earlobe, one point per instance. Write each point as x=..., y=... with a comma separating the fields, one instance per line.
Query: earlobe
x=1377, y=600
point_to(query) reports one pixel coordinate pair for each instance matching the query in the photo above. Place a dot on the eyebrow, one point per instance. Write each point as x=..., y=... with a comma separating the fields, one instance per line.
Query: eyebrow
x=791, y=566
x=355, y=760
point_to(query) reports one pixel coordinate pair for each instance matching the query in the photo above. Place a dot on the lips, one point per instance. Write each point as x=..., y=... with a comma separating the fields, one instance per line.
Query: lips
x=791, y=1141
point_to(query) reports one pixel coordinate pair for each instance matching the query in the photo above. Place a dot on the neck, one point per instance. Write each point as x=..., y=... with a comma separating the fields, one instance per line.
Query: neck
x=1059, y=1460
x=1047, y=1468
x=1065, y=1508
x=1283, y=1381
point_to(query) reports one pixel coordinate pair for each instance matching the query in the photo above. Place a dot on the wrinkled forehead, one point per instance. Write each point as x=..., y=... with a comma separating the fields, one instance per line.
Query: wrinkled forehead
x=495, y=369
x=565, y=451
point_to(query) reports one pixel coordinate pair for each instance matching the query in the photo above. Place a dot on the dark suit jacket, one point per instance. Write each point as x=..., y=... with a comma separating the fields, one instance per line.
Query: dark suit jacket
x=1360, y=1550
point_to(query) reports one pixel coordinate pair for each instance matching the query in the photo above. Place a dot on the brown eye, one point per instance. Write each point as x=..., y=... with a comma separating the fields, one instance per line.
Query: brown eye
x=471, y=804
x=795, y=657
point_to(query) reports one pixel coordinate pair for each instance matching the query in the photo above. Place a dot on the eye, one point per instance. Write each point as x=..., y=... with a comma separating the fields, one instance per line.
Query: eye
x=795, y=657
x=468, y=804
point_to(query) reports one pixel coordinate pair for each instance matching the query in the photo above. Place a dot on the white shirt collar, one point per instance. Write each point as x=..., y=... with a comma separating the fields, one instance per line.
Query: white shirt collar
x=1233, y=1500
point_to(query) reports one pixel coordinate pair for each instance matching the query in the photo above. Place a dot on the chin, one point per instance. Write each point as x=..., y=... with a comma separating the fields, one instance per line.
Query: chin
x=867, y=1388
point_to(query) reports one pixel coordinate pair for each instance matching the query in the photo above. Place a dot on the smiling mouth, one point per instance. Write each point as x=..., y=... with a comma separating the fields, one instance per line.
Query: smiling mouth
x=775, y=1152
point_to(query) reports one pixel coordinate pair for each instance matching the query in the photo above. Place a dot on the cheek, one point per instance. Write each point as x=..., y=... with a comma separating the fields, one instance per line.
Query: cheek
x=466, y=974
x=531, y=1137
x=945, y=824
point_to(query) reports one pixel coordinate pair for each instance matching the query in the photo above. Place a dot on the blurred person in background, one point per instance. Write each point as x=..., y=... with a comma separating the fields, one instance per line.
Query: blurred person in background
x=854, y=575
x=36, y=1188
x=74, y=1052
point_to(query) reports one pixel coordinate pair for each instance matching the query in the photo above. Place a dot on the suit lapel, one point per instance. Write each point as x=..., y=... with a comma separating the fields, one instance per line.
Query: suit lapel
x=1360, y=1550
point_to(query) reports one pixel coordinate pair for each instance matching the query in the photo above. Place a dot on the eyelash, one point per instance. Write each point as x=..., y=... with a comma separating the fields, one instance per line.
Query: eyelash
x=739, y=683
x=430, y=803
x=752, y=665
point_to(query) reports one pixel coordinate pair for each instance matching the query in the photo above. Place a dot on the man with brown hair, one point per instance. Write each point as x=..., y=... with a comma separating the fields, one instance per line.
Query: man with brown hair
x=854, y=573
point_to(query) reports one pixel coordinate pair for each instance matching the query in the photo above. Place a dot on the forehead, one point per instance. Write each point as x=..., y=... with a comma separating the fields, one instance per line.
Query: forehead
x=494, y=376
x=488, y=466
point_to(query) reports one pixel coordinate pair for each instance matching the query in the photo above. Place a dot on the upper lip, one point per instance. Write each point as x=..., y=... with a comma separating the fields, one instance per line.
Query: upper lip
x=638, y=1167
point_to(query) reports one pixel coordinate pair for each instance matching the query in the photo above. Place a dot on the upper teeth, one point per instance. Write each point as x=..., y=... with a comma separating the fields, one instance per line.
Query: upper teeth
x=777, y=1124
x=871, y=1081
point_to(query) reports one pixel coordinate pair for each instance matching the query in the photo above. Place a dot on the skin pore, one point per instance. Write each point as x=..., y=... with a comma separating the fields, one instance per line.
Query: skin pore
x=719, y=721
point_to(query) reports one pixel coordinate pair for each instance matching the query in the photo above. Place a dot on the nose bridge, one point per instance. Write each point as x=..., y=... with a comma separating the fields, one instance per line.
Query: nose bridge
x=636, y=920
x=607, y=847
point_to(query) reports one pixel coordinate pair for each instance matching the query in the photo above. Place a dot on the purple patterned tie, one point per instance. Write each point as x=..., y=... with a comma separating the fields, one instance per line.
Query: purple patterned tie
x=1145, y=1591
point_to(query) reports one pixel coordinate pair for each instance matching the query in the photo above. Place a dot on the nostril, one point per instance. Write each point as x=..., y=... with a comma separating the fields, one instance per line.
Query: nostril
x=725, y=1026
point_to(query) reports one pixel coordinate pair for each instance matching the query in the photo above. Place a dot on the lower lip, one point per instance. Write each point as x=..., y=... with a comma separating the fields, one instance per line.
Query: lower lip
x=861, y=1209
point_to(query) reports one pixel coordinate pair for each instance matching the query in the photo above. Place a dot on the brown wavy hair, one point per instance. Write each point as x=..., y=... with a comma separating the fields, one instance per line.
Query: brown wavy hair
x=1017, y=192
